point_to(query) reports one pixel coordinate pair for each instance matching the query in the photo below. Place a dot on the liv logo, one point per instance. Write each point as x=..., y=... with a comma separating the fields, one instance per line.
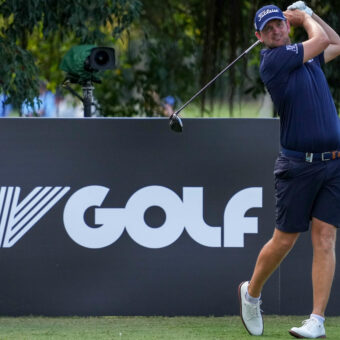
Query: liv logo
x=186, y=213
x=17, y=218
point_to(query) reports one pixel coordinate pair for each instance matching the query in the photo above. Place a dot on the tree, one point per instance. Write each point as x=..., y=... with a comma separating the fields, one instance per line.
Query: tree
x=158, y=59
x=167, y=47
x=56, y=21
x=176, y=48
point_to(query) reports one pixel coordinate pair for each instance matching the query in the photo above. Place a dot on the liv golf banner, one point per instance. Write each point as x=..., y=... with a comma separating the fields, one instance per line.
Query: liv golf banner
x=125, y=217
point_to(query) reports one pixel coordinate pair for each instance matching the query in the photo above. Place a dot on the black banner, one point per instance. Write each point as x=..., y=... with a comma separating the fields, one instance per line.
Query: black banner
x=125, y=217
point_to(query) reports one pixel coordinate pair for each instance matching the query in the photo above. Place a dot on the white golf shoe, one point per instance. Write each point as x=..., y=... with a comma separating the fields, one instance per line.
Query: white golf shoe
x=250, y=312
x=310, y=329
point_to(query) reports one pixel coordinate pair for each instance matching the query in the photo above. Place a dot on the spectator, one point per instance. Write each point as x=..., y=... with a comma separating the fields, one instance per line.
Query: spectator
x=168, y=104
x=67, y=106
x=5, y=109
x=46, y=107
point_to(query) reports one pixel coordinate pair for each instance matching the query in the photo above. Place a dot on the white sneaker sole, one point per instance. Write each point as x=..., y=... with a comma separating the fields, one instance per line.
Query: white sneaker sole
x=296, y=335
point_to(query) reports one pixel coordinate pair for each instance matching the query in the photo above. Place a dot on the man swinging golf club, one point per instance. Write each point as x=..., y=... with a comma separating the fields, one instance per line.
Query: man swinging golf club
x=307, y=171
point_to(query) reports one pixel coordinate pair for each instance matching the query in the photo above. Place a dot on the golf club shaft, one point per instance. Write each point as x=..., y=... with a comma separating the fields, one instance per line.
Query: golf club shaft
x=212, y=80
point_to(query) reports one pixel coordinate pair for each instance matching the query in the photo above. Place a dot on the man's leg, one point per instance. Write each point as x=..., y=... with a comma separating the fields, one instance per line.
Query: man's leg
x=270, y=257
x=323, y=239
x=268, y=260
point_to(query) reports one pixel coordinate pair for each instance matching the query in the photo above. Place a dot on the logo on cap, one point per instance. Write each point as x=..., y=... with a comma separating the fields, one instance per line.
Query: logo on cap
x=267, y=11
x=265, y=14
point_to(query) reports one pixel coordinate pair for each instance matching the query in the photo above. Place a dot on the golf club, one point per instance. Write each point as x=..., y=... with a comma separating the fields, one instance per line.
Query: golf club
x=175, y=122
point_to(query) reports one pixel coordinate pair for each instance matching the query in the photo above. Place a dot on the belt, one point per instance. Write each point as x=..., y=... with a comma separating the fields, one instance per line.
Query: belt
x=312, y=156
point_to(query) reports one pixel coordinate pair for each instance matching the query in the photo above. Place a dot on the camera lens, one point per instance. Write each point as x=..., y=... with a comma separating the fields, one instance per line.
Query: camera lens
x=101, y=58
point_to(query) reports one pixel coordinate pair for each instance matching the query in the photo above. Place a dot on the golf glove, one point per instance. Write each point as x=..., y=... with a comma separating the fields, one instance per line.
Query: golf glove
x=301, y=6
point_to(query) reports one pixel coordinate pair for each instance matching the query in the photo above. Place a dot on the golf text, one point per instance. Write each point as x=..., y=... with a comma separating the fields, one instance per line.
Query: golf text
x=16, y=218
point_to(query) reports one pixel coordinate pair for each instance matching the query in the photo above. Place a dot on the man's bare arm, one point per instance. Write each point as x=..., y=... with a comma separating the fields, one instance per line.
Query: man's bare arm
x=333, y=49
x=317, y=41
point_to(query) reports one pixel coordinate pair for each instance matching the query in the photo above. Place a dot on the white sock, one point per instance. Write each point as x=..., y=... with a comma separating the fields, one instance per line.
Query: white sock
x=318, y=317
x=251, y=299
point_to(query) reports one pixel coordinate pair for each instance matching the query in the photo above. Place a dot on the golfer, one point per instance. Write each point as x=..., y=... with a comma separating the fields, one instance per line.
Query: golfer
x=307, y=170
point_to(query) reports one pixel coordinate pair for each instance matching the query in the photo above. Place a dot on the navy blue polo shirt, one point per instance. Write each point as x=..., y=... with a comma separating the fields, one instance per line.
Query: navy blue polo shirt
x=301, y=96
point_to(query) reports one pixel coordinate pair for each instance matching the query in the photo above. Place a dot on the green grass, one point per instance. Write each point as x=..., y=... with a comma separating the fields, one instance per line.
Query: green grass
x=243, y=110
x=149, y=328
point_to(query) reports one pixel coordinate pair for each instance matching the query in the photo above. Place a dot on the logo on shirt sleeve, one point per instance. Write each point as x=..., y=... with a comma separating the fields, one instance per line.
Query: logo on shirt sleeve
x=292, y=48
